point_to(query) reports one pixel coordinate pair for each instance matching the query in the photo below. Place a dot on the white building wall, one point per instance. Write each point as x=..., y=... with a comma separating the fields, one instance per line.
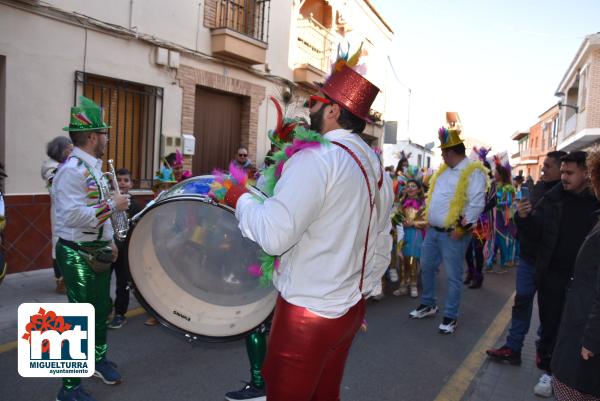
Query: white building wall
x=42, y=55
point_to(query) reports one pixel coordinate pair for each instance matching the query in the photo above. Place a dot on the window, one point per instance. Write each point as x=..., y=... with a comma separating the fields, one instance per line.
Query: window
x=428, y=162
x=582, y=88
x=420, y=160
x=134, y=112
x=249, y=17
x=554, y=134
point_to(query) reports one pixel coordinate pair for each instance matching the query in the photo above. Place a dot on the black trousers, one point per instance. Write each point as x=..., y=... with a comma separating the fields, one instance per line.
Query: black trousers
x=551, y=301
x=121, y=269
x=474, y=259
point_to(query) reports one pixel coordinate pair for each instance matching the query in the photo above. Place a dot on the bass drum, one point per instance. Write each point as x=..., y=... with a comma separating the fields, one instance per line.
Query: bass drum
x=189, y=265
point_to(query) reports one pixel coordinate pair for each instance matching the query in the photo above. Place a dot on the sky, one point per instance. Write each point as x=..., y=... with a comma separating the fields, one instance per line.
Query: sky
x=497, y=63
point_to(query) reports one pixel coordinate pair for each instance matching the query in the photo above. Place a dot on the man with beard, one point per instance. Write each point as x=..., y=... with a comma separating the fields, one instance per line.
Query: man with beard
x=525, y=279
x=329, y=220
x=85, y=235
x=559, y=224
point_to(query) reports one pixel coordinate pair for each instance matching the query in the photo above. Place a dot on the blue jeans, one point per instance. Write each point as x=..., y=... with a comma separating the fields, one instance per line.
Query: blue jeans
x=523, y=306
x=438, y=247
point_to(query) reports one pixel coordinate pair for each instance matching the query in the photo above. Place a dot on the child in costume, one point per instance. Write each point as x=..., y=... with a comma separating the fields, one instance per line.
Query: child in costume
x=412, y=208
x=483, y=232
x=174, y=161
x=505, y=228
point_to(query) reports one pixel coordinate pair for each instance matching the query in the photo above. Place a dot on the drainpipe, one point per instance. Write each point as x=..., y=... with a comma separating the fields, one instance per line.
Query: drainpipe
x=131, y=26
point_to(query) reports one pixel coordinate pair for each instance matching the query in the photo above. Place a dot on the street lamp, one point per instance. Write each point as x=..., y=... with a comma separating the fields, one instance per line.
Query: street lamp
x=560, y=103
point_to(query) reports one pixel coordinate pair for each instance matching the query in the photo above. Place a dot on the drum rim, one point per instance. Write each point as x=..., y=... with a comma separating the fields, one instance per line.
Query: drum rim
x=190, y=336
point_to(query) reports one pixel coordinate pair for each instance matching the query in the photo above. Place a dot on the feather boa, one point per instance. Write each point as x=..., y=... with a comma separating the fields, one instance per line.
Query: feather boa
x=302, y=139
x=457, y=204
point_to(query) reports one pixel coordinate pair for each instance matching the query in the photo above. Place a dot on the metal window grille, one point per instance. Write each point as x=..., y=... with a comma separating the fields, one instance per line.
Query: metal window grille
x=134, y=112
x=248, y=17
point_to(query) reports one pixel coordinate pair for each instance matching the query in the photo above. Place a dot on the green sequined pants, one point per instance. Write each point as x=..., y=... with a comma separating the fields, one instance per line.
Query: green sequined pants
x=256, y=346
x=86, y=286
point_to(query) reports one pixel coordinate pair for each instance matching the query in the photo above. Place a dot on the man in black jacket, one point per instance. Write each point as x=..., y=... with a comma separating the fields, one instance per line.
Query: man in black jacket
x=526, y=286
x=559, y=223
x=576, y=356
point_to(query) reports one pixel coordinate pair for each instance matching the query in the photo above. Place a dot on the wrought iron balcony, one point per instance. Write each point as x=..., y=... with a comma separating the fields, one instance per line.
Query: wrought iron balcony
x=241, y=29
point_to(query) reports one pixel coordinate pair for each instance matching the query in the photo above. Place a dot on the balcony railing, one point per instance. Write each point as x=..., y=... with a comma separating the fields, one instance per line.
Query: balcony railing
x=570, y=126
x=248, y=17
x=315, y=44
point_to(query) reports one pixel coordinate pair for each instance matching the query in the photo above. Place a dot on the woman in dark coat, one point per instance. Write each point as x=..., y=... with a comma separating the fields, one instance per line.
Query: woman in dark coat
x=576, y=357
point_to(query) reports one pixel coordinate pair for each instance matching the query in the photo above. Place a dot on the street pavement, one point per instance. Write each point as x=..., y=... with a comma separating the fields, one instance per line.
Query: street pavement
x=396, y=359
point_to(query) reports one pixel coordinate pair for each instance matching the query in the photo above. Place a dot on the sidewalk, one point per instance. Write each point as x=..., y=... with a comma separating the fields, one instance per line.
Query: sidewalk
x=32, y=286
x=503, y=382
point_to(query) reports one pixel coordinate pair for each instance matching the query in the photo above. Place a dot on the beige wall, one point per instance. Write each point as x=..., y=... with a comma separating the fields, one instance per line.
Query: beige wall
x=41, y=59
x=42, y=55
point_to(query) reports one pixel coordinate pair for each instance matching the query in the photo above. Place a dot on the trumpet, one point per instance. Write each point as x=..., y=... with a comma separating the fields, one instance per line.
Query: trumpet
x=119, y=219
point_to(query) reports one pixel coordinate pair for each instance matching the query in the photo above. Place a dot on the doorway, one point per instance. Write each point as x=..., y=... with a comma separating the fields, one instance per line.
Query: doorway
x=217, y=129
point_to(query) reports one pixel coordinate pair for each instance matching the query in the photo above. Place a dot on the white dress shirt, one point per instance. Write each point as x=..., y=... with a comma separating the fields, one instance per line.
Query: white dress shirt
x=75, y=213
x=445, y=188
x=317, y=221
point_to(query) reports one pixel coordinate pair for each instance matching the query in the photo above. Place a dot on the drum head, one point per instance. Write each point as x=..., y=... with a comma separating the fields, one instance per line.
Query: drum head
x=189, y=264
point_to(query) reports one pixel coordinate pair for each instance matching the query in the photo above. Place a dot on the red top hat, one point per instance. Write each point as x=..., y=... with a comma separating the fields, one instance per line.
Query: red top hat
x=351, y=91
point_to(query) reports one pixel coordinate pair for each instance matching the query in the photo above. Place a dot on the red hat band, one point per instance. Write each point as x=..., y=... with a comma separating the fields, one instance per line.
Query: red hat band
x=352, y=91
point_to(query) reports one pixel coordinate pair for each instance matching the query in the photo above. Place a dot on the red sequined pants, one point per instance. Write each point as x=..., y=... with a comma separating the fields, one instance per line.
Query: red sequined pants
x=306, y=353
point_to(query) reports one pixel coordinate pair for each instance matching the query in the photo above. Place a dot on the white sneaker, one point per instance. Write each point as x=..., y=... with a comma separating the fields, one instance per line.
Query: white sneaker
x=394, y=275
x=402, y=290
x=544, y=386
x=414, y=291
x=448, y=326
x=423, y=311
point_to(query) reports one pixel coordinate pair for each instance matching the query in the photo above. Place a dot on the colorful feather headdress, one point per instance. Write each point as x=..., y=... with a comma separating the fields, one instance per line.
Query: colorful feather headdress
x=413, y=173
x=450, y=134
x=284, y=127
x=344, y=59
x=481, y=153
x=506, y=165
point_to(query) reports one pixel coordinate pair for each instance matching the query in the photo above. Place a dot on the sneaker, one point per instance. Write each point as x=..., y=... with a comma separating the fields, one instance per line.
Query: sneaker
x=77, y=394
x=117, y=322
x=60, y=286
x=414, y=291
x=393, y=275
x=402, y=290
x=448, y=326
x=544, y=386
x=505, y=353
x=106, y=371
x=248, y=393
x=423, y=311
x=151, y=322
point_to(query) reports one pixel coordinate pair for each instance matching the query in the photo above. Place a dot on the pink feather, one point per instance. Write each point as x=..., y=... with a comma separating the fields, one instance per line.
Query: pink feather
x=276, y=264
x=255, y=270
x=219, y=176
x=238, y=174
x=279, y=169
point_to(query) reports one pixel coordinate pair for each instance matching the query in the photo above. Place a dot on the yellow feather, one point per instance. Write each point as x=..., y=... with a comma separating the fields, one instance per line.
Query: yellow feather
x=354, y=59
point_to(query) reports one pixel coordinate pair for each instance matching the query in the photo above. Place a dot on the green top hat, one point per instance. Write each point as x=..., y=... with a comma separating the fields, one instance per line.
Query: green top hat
x=86, y=117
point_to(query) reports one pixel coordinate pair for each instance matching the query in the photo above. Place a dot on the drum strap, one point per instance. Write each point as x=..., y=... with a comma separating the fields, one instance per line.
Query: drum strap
x=371, y=203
